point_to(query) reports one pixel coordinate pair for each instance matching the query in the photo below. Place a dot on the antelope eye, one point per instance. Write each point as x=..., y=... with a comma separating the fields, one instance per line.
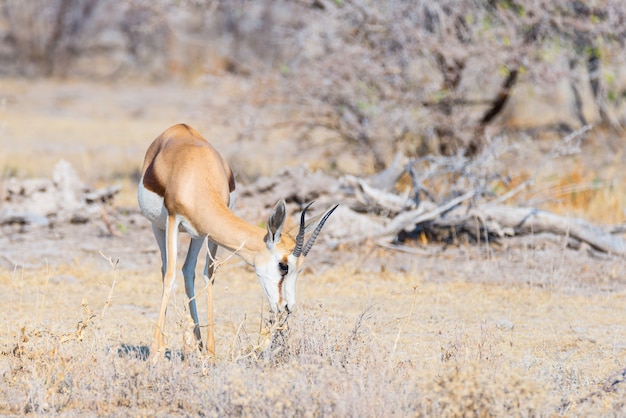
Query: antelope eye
x=284, y=268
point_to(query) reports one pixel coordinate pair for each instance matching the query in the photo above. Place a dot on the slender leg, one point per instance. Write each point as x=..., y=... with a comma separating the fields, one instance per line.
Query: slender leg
x=171, y=248
x=189, y=272
x=159, y=234
x=209, y=267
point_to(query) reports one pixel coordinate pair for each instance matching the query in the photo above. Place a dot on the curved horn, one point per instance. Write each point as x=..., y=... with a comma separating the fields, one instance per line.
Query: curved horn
x=311, y=240
x=300, y=237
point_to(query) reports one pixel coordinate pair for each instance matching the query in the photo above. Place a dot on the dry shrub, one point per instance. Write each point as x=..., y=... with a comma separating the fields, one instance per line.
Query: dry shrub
x=369, y=362
x=473, y=390
x=384, y=76
x=321, y=368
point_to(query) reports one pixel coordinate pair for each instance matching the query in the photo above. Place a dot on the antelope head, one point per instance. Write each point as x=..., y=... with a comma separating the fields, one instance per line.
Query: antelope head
x=277, y=269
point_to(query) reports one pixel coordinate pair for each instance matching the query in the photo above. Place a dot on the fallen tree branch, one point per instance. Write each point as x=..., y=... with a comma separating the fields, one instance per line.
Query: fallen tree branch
x=530, y=220
x=425, y=212
x=372, y=199
x=420, y=215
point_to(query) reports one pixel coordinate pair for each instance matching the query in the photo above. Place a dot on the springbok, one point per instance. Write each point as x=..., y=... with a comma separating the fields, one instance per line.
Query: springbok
x=186, y=185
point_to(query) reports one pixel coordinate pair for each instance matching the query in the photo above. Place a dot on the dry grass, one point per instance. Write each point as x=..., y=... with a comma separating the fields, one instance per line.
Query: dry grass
x=361, y=344
x=597, y=195
x=526, y=329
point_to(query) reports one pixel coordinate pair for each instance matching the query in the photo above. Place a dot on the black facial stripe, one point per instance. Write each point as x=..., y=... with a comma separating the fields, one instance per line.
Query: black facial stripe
x=280, y=290
x=284, y=268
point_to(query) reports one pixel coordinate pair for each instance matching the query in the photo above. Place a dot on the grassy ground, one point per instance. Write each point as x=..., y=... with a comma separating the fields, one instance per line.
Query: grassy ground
x=528, y=328
x=360, y=344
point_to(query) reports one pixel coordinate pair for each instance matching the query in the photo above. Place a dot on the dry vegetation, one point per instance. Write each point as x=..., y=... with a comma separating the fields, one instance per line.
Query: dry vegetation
x=361, y=344
x=529, y=326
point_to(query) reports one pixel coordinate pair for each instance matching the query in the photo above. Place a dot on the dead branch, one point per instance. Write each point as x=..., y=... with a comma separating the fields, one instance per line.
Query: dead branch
x=530, y=220
x=501, y=99
x=371, y=199
x=422, y=214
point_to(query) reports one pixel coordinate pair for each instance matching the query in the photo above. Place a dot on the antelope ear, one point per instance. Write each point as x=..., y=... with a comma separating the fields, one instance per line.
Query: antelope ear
x=275, y=224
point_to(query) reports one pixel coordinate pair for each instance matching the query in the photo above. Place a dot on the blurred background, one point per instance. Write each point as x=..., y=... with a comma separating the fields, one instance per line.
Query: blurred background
x=341, y=85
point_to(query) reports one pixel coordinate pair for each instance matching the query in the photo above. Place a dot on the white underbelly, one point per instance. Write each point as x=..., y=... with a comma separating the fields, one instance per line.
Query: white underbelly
x=152, y=206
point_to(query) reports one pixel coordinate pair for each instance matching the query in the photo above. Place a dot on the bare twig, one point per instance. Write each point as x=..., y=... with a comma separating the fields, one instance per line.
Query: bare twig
x=114, y=265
